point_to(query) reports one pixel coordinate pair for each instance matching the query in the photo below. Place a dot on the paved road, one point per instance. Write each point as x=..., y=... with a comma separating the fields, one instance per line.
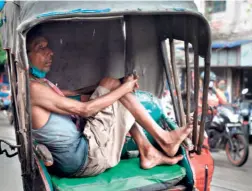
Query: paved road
x=226, y=177
x=10, y=172
x=230, y=178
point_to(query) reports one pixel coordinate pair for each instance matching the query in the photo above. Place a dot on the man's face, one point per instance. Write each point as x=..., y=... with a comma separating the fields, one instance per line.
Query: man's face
x=40, y=55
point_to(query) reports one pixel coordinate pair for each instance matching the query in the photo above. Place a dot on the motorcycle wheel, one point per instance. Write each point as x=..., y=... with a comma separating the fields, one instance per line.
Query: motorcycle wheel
x=238, y=155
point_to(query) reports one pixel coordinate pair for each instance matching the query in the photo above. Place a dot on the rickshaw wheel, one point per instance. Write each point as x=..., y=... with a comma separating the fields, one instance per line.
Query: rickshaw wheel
x=238, y=155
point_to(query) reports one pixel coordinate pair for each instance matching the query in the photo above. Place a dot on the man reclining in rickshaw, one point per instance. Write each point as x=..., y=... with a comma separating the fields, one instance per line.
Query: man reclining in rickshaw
x=110, y=113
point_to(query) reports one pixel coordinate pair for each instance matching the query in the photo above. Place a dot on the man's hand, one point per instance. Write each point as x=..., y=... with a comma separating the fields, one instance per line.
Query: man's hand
x=131, y=82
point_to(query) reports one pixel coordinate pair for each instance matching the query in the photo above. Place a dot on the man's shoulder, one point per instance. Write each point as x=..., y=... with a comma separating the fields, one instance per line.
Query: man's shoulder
x=38, y=87
x=35, y=85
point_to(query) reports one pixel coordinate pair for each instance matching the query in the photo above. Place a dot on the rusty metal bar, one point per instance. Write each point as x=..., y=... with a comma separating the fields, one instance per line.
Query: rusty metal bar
x=188, y=84
x=204, y=102
x=176, y=82
x=170, y=81
x=188, y=80
x=188, y=74
x=187, y=142
x=13, y=82
x=196, y=81
x=128, y=53
x=171, y=73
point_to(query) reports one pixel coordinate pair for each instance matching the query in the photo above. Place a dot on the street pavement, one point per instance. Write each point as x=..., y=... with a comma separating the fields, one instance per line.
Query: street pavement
x=230, y=178
x=226, y=177
x=10, y=172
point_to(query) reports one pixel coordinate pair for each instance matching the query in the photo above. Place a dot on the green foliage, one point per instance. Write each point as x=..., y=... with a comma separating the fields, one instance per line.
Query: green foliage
x=2, y=54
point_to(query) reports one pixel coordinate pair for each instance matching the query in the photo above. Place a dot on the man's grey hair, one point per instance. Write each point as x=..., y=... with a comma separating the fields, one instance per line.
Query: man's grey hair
x=31, y=36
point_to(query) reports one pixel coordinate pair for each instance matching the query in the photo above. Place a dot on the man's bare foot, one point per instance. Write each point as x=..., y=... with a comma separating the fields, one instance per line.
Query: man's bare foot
x=151, y=157
x=171, y=140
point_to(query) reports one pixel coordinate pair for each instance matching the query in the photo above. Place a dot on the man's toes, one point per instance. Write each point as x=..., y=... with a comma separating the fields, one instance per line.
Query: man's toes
x=188, y=130
x=185, y=132
x=174, y=160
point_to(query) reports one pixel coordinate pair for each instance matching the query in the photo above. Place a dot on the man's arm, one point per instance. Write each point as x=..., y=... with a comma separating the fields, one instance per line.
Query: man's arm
x=73, y=94
x=84, y=93
x=46, y=98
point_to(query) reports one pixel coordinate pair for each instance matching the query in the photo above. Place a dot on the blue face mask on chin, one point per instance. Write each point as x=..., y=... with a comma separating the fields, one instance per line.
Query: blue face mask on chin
x=36, y=72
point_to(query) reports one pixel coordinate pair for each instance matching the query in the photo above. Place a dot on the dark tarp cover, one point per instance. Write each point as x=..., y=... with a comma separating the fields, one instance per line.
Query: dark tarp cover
x=23, y=15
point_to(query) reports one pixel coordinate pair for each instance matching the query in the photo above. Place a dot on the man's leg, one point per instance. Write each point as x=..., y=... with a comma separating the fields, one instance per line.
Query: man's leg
x=168, y=141
x=150, y=156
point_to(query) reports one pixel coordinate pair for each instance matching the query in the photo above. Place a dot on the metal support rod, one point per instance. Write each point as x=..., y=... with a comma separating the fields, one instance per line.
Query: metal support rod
x=30, y=163
x=170, y=81
x=196, y=82
x=13, y=76
x=187, y=142
x=12, y=80
x=204, y=102
x=176, y=82
x=128, y=53
x=188, y=84
x=188, y=74
x=9, y=69
x=206, y=178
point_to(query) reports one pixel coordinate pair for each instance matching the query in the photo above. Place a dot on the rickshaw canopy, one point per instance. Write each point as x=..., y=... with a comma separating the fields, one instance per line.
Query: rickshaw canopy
x=159, y=19
x=22, y=15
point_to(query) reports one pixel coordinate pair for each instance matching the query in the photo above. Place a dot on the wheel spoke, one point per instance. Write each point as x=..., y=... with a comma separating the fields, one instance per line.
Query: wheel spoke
x=234, y=155
x=238, y=154
x=240, y=146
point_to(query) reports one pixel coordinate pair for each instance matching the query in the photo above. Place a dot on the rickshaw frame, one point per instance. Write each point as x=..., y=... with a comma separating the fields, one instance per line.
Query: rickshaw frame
x=24, y=135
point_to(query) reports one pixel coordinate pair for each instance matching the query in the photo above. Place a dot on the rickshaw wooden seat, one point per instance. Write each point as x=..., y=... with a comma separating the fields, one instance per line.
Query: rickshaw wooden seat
x=126, y=175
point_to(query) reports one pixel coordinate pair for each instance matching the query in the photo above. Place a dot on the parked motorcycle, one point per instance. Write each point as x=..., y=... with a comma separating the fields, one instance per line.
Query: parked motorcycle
x=225, y=132
x=245, y=111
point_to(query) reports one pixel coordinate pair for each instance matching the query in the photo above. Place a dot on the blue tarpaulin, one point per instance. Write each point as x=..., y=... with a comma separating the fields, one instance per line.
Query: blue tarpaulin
x=223, y=44
x=2, y=2
x=229, y=44
x=3, y=94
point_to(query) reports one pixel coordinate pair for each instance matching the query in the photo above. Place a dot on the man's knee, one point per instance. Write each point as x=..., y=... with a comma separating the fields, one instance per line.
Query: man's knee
x=110, y=83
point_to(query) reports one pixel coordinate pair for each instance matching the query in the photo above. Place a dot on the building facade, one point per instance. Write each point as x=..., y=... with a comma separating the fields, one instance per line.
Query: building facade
x=231, y=26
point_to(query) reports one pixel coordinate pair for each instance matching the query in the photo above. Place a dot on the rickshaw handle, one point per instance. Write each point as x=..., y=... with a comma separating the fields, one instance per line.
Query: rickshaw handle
x=11, y=146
